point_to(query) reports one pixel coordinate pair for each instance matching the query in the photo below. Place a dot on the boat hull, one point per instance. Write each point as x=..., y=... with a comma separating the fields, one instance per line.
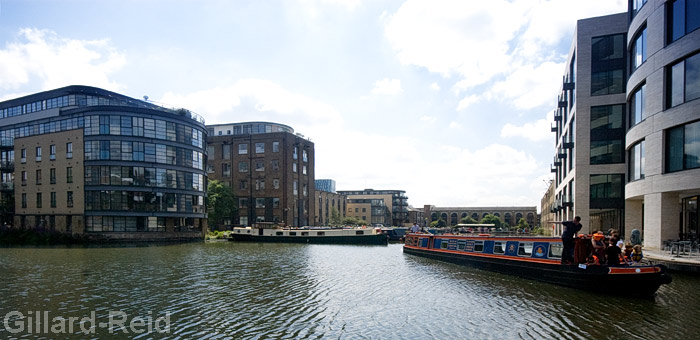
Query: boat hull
x=378, y=239
x=609, y=280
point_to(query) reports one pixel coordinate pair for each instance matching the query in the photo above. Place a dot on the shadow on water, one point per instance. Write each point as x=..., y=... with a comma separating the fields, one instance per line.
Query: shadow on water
x=226, y=290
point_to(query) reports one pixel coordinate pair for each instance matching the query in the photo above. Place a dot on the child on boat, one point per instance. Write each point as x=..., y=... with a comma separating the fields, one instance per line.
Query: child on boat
x=636, y=255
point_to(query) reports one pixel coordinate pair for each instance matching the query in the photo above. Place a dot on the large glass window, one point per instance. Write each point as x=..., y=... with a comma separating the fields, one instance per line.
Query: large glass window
x=683, y=17
x=242, y=149
x=683, y=81
x=637, y=5
x=683, y=147
x=637, y=113
x=608, y=47
x=225, y=151
x=607, y=134
x=606, y=186
x=607, y=82
x=608, y=64
x=638, y=51
x=636, y=161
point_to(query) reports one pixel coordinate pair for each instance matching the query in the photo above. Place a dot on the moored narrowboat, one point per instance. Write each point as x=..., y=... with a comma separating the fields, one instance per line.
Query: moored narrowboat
x=366, y=236
x=536, y=258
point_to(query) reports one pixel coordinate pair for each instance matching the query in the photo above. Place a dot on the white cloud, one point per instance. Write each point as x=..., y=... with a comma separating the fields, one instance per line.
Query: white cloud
x=530, y=86
x=455, y=125
x=429, y=119
x=43, y=59
x=539, y=130
x=387, y=86
x=467, y=101
x=435, y=86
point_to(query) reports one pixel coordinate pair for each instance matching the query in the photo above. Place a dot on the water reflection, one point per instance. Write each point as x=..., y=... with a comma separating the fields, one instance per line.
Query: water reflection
x=274, y=291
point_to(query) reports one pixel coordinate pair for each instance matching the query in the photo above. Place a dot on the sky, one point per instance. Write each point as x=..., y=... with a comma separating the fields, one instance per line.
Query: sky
x=450, y=101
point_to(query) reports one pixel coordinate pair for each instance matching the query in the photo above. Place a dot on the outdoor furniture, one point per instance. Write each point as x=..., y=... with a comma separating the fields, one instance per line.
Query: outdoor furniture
x=680, y=247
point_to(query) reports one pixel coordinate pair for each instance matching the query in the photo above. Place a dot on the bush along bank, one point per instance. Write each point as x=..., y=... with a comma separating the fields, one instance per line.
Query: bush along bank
x=37, y=237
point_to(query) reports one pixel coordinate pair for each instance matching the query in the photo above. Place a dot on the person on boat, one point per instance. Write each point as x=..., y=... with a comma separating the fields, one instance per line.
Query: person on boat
x=613, y=253
x=592, y=260
x=636, y=255
x=567, y=239
x=415, y=228
x=628, y=251
x=598, y=243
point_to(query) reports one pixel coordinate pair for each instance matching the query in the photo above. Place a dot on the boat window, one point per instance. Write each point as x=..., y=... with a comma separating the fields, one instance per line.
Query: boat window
x=478, y=245
x=321, y=233
x=292, y=233
x=525, y=248
x=498, y=248
x=443, y=244
x=279, y=233
x=461, y=244
x=304, y=233
x=359, y=232
x=555, y=249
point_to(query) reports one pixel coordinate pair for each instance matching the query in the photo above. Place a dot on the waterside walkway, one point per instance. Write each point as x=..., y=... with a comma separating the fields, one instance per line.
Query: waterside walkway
x=688, y=262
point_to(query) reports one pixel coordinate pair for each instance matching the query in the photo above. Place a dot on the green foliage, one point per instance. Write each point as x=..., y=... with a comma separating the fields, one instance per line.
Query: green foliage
x=220, y=203
x=217, y=235
x=34, y=237
x=354, y=221
x=522, y=224
x=490, y=219
x=468, y=220
x=438, y=224
x=335, y=217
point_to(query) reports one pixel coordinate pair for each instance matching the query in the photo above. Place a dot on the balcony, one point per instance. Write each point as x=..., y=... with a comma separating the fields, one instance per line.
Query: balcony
x=7, y=143
x=7, y=186
x=568, y=142
x=561, y=153
x=554, y=127
x=567, y=201
x=7, y=165
x=557, y=162
x=557, y=116
x=553, y=168
x=568, y=85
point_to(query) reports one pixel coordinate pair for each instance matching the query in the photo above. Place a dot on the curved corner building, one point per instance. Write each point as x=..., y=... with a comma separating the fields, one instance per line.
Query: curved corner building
x=663, y=136
x=88, y=161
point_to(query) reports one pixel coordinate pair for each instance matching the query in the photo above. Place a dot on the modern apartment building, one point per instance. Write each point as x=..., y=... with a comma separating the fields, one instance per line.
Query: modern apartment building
x=89, y=161
x=662, y=139
x=508, y=215
x=589, y=163
x=387, y=207
x=329, y=203
x=269, y=168
x=327, y=185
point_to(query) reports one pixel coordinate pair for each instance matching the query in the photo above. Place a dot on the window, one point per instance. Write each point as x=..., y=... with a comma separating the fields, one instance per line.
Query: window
x=637, y=113
x=38, y=200
x=38, y=177
x=498, y=248
x=606, y=186
x=555, y=250
x=607, y=82
x=210, y=152
x=242, y=149
x=24, y=178
x=303, y=169
x=607, y=134
x=636, y=5
x=683, y=17
x=295, y=154
x=610, y=47
x=226, y=151
x=275, y=202
x=525, y=248
x=259, y=184
x=69, y=150
x=38, y=153
x=259, y=147
x=275, y=146
x=226, y=169
x=683, y=81
x=69, y=174
x=638, y=52
x=260, y=165
x=242, y=202
x=23, y=155
x=275, y=164
x=260, y=203
x=242, y=166
x=52, y=152
x=479, y=246
x=276, y=183
x=243, y=184
x=24, y=200
x=69, y=199
x=636, y=161
x=53, y=199
x=294, y=167
x=296, y=188
x=52, y=175
x=683, y=147
x=304, y=155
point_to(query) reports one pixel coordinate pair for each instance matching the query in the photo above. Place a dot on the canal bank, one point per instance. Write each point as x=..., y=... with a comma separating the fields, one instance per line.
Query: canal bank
x=684, y=263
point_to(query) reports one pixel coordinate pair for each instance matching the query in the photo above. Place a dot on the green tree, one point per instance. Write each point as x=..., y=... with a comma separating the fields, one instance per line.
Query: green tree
x=522, y=224
x=438, y=224
x=220, y=203
x=354, y=221
x=468, y=220
x=490, y=219
x=335, y=217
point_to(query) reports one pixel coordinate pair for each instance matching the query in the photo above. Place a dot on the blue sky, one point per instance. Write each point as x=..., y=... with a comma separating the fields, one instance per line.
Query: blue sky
x=450, y=101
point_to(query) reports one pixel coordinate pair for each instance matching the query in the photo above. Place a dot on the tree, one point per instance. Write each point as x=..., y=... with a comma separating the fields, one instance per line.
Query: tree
x=468, y=220
x=335, y=217
x=354, y=221
x=490, y=219
x=438, y=224
x=522, y=224
x=220, y=203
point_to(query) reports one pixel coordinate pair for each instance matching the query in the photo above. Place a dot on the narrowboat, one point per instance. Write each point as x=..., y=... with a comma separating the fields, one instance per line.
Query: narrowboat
x=537, y=258
x=365, y=236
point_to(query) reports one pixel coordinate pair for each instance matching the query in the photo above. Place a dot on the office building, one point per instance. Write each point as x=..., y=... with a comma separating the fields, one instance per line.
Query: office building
x=269, y=168
x=327, y=185
x=88, y=161
x=386, y=207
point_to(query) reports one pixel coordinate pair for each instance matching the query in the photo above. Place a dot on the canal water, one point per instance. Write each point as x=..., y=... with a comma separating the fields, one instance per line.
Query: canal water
x=226, y=290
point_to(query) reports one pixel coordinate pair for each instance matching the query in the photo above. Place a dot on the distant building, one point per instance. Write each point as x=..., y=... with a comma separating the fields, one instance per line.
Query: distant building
x=415, y=215
x=508, y=215
x=548, y=212
x=87, y=161
x=329, y=203
x=387, y=207
x=269, y=168
x=327, y=185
